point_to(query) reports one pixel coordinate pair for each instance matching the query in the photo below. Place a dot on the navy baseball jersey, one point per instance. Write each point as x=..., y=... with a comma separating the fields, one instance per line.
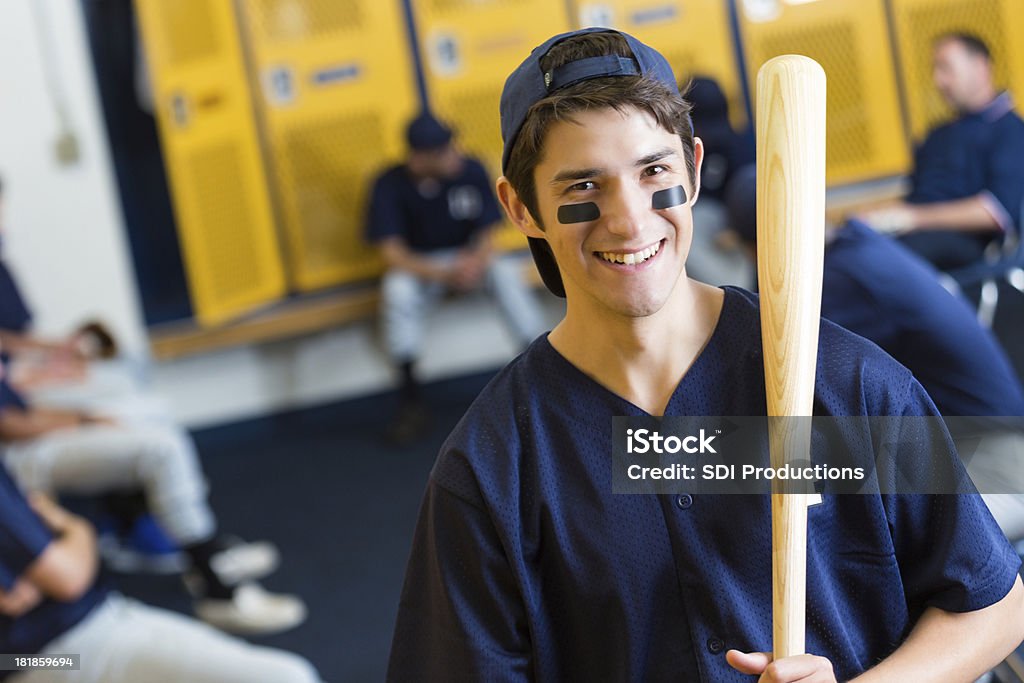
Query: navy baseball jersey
x=876, y=287
x=525, y=565
x=448, y=217
x=982, y=152
x=23, y=537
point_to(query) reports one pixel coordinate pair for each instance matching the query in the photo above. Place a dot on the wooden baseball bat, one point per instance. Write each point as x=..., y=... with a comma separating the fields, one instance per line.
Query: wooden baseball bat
x=790, y=252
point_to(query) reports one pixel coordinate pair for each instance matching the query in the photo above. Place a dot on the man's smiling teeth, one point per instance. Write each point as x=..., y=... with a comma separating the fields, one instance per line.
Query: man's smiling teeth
x=630, y=259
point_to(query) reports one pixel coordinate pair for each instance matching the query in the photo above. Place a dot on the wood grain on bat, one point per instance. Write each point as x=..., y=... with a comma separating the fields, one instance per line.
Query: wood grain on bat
x=790, y=238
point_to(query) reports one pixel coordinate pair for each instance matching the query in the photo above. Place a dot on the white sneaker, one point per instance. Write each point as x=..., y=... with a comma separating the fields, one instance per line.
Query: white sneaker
x=252, y=611
x=242, y=561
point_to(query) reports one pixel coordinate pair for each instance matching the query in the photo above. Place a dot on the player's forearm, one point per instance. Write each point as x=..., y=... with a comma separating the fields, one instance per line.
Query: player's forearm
x=17, y=424
x=397, y=255
x=67, y=567
x=16, y=342
x=971, y=214
x=949, y=647
x=22, y=597
x=483, y=242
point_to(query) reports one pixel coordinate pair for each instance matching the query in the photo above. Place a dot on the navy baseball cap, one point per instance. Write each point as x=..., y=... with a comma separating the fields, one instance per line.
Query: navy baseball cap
x=529, y=84
x=426, y=132
x=741, y=203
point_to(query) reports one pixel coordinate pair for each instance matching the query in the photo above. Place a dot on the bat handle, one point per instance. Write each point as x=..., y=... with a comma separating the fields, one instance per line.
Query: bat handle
x=789, y=548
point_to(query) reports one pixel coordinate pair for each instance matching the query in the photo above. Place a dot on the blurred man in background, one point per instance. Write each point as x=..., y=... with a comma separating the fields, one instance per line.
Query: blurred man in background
x=879, y=289
x=51, y=604
x=79, y=451
x=57, y=451
x=432, y=217
x=967, y=185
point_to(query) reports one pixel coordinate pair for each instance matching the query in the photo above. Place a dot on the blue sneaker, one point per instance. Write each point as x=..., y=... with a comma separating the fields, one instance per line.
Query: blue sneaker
x=145, y=549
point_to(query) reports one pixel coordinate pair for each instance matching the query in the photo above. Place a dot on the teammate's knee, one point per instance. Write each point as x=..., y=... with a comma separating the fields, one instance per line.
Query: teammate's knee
x=287, y=667
x=400, y=288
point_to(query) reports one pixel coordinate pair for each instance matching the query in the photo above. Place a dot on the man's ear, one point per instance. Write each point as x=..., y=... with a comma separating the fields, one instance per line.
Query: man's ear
x=698, y=161
x=516, y=210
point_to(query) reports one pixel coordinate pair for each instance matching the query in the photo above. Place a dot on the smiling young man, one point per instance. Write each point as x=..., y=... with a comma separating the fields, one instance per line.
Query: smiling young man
x=526, y=566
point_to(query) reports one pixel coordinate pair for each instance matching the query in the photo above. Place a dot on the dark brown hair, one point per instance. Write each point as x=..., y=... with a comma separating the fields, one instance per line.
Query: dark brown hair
x=972, y=43
x=620, y=93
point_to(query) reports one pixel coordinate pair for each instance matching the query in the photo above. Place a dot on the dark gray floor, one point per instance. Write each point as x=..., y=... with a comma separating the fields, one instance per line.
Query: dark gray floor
x=340, y=503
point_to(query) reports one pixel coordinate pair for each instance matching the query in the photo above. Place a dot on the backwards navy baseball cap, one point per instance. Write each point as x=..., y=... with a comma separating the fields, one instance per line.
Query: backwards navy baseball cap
x=426, y=132
x=529, y=84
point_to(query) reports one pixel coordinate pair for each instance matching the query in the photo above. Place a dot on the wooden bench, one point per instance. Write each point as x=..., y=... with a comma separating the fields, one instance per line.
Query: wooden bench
x=290, y=318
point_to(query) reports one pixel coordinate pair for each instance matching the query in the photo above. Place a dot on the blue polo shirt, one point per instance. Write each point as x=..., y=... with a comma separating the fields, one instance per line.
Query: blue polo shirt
x=23, y=537
x=14, y=313
x=525, y=565
x=447, y=218
x=876, y=287
x=982, y=152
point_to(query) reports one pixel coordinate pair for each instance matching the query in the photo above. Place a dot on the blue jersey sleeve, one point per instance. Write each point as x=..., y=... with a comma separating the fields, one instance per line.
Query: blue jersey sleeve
x=1006, y=171
x=384, y=216
x=951, y=552
x=23, y=536
x=461, y=615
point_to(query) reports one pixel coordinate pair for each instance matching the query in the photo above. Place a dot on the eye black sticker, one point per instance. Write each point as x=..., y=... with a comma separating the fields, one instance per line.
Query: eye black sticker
x=578, y=213
x=669, y=197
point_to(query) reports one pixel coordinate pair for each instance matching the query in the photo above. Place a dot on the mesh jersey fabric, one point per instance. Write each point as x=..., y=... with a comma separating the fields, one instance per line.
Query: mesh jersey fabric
x=525, y=566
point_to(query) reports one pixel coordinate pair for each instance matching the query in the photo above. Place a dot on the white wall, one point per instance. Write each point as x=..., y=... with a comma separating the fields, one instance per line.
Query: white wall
x=64, y=238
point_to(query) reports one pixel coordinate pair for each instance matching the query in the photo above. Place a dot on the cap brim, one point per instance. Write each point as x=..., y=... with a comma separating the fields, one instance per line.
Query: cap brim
x=546, y=266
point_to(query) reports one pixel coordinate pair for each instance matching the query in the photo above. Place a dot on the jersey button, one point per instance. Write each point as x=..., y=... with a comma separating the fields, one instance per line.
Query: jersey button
x=684, y=501
x=715, y=645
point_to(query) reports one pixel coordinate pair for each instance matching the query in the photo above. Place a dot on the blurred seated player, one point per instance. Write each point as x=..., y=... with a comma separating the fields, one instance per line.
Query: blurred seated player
x=51, y=360
x=881, y=290
x=716, y=259
x=57, y=451
x=57, y=371
x=51, y=604
x=432, y=217
x=967, y=184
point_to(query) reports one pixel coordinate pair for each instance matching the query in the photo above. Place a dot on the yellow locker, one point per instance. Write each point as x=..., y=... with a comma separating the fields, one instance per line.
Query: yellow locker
x=337, y=87
x=919, y=22
x=694, y=36
x=850, y=39
x=468, y=48
x=211, y=150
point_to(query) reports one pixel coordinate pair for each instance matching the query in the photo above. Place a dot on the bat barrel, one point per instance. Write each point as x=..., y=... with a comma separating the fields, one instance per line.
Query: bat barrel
x=790, y=237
